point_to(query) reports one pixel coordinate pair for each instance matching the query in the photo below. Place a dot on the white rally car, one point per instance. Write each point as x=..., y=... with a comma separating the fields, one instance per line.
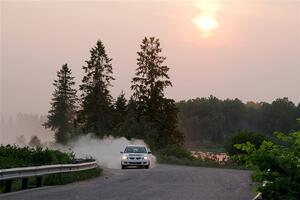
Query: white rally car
x=135, y=155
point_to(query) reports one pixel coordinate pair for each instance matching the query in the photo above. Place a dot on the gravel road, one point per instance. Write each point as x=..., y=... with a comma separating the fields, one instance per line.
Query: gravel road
x=168, y=182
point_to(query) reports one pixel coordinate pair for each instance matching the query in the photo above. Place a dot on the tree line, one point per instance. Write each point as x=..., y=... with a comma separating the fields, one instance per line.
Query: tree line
x=147, y=114
x=212, y=120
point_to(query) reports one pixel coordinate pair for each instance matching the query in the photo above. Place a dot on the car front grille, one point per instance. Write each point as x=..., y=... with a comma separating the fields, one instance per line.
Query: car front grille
x=135, y=158
x=137, y=163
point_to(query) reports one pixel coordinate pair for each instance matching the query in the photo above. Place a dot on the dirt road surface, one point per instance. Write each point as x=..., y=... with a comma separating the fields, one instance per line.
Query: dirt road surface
x=167, y=182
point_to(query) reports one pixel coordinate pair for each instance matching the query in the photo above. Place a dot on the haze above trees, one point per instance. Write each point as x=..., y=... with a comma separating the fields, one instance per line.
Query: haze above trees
x=148, y=114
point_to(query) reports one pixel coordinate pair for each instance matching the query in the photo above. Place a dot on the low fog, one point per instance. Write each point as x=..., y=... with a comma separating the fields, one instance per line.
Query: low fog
x=21, y=128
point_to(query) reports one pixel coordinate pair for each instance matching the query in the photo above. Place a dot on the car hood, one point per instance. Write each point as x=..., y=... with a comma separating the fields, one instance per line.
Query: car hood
x=135, y=154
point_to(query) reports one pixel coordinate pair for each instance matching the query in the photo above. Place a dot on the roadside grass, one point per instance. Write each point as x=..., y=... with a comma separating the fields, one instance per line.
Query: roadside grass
x=198, y=162
x=205, y=147
x=56, y=179
x=178, y=155
x=210, y=149
x=64, y=178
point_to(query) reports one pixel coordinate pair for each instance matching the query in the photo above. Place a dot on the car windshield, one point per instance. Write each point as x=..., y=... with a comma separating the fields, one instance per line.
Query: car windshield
x=135, y=150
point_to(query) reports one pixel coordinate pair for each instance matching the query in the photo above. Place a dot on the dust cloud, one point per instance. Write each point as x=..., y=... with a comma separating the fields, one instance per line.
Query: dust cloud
x=106, y=151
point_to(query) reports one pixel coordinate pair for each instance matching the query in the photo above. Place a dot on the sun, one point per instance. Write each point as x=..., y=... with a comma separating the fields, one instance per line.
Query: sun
x=206, y=24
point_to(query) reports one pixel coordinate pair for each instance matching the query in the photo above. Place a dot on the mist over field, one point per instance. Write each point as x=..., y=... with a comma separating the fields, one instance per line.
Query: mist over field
x=21, y=128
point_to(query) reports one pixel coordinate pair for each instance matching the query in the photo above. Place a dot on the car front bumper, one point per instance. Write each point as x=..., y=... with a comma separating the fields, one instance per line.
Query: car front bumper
x=135, y=162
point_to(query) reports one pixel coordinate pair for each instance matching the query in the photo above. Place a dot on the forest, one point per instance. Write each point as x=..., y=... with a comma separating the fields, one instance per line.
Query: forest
x=209, y=121
x=203, y=121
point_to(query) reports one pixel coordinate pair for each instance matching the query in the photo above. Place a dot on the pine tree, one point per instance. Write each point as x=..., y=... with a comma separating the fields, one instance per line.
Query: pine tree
x=35, y=141
x=120, y=108
x=120, y=114
x=96, y=101
x=159, y=112
x=63, y=106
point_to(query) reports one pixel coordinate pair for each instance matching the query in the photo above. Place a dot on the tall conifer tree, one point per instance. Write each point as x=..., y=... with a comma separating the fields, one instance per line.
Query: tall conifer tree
x=151, y=78
x=63, y=106
x=96, y=102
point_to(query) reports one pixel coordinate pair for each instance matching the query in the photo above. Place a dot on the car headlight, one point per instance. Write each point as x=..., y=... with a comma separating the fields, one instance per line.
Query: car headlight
x=145, y=158
x=124, y=157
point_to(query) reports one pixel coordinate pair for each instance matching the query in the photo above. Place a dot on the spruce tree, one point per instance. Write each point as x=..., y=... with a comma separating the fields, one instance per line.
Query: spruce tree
x=120, y=108
x=120, y=114
x=96, y=102
x=63, y=106
x=35, y=141
x=159, y=112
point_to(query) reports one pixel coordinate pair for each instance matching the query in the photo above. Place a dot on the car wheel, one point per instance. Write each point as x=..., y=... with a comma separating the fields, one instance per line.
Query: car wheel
x=147, y=166
x=123, y=167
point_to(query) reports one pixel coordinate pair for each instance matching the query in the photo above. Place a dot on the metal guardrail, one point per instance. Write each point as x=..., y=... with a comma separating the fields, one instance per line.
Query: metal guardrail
x=24, y=173
x=259, y=195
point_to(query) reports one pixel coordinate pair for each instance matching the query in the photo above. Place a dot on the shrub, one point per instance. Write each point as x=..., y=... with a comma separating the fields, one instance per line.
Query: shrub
x=14, y=156
x=277, y=165
x=240, y=137
x=175, y=151
x=64, y=178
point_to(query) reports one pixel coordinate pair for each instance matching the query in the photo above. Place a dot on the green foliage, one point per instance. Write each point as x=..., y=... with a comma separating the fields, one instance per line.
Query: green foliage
x=120, y=114
x=211, y=120
x=277, y=165
x=96, y=102
x=56, y=179
x=242, y=137
x=279, y=116
x=35, y=141
x=64, y=178
x=178, y=155
x=197, y=162
x=63, y=106
x=151, y=106
x=13, y=156
x=175, y=151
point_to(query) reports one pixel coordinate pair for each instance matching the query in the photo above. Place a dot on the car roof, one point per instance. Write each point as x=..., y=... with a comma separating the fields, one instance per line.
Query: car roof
x=135, y=145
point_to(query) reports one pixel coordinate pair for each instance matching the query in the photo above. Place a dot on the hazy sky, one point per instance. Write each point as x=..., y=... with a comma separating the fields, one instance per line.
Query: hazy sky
x=244, y=49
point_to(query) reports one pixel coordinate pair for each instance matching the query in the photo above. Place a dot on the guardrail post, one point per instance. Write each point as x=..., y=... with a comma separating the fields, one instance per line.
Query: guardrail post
x=8, y=184
x=24, y=183
x=7, y=176
x=39, y=181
